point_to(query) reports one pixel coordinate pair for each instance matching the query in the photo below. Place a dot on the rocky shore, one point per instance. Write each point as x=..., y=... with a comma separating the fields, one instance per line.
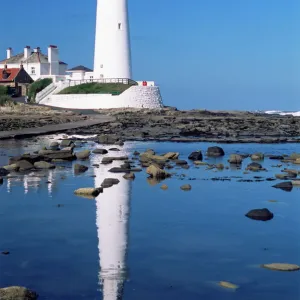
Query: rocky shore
x=23, y=116
x=169, y=124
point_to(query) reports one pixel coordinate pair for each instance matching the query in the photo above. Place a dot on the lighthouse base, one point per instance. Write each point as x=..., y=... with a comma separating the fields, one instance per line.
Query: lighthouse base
x=135, y=97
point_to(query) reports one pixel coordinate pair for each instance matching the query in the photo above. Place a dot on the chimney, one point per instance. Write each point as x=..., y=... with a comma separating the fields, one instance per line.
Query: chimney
x=9, y=53
x=37, y=50
x=27, y=52
x=53, y=60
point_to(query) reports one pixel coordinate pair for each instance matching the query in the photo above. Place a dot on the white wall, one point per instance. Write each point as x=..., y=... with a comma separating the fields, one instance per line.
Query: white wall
x=135, y=96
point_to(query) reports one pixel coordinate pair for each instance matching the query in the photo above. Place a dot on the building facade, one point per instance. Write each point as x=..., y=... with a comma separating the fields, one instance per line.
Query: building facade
x=37, y=64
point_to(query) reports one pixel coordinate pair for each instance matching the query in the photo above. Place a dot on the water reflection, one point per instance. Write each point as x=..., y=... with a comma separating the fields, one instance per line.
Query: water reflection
x=112, y=226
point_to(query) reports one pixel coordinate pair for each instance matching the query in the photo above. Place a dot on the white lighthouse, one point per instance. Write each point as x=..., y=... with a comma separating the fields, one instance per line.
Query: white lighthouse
x=112, y=45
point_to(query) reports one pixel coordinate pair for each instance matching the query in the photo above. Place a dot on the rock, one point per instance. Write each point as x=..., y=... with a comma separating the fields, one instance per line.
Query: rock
x=17, y=293
x=136, y=153
x=67, y=143
x=186, y=187
x=255, y=167
x=61, y=154
x=228, y=285
x=88, y=192
x=156, y=172
x=181, y=162
x=286, y=186
x=281, y=267
x=1, y=180
x=257, y=156
x=294, y=182
x=24, y=165
x=12, y=167
x=220, y=166
x=83, y=155
x=30, y=158
x=215, y=151
x=297, y=161
x=276, y=157
x=109, y=160
x=100, y=151
x=114, y=149
x=54, y=145
x=119, y=170
x=260, y=214
x=235, y=159
x=109, y=182
x=164, y=187
x=295, y=156
x=80, y=168
x=108, y=139
x=200, y=163
x=129, y=176
x=43, y=165
x=171, y=155
x=5, y=252
x=196, y=156
x=285, y=176
x=291, y=171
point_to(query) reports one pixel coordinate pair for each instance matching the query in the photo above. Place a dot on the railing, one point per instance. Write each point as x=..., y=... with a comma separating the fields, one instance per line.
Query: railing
x=45, y=92
x=125, y=81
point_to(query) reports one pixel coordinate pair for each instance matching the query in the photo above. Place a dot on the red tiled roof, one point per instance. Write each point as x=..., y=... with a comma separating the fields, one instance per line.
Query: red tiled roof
x=12, y=72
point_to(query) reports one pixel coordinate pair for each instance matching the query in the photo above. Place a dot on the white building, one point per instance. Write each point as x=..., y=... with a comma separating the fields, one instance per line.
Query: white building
x=37, y=64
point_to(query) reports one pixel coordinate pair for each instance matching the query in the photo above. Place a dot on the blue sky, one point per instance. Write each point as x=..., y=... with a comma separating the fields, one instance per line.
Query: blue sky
x=211, y=54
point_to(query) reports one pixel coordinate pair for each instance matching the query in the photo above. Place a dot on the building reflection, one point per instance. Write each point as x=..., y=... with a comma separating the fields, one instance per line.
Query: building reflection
x=112, y=216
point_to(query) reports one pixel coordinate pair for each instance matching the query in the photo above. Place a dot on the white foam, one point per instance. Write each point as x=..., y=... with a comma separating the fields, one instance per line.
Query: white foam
x=283, y=113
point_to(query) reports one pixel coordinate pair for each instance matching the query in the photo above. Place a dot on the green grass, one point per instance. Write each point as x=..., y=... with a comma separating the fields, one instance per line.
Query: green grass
x=38, y=86
x=97, y=88
x=6, y=101
x=3, y=90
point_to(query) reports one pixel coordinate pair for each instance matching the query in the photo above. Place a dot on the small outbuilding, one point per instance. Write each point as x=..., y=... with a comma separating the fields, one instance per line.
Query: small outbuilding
x=16, y=79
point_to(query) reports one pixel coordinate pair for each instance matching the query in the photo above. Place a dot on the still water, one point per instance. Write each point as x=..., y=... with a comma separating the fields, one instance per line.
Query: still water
x=136, y=241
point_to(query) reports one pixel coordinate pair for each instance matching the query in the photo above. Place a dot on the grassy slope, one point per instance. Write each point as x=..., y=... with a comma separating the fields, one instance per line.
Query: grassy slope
x=97, y=88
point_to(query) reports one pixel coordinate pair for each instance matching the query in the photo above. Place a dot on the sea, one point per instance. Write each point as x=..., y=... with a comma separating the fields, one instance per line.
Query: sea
x=283, y=113
x=136, y=241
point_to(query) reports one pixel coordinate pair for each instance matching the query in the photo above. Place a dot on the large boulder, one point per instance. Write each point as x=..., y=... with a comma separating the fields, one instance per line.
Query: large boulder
x=255, y=167
x=13, y=167
x=285, y=186
x=171, y=155
x=260, y=214
x=28, y=157
x=24, y=165
x=215, y=151
x=276, y=157
x=67, y=143
x=80, y=168
x=108, y=139
x=61, y=155
x=156, y=172
x=83, y=155
x=100, y=151
x=88, y=192
x=129, y=176
x=181, y=162
x=196, y=156
x=235, y=159
x=281, y=267
x=4, y=172
x=186, y=187
x=109, y=182
x=295, y=156
x=257, y=156
x=17, y=293
x=43, y=165
x=108, y=160
x=54, y=146
x=1, y=180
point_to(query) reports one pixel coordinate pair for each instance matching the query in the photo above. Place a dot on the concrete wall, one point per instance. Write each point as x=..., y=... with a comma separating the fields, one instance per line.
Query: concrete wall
x=136, y=96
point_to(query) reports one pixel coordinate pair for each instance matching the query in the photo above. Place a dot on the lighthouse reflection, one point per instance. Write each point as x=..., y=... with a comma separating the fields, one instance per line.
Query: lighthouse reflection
x=112, y=216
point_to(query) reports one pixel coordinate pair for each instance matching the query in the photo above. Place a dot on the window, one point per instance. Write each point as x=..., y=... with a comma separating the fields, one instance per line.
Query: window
x=101, y=66
x=101, y=76
x=120, y=26
x=33, y=70
x=91, y=78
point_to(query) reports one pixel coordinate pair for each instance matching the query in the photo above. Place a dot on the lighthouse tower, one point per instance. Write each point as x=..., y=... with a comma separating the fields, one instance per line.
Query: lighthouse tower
x=112, y=44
